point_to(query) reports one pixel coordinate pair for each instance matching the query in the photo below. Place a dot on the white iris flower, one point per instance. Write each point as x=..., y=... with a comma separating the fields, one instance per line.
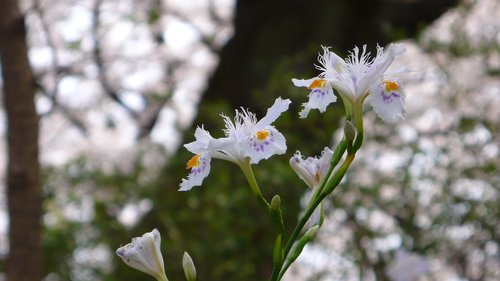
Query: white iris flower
x=356, y=78
x=245, y=139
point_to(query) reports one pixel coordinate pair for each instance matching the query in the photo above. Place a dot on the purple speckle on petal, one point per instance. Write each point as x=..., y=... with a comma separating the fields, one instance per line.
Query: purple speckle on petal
x=388, y=97
x=320, y=93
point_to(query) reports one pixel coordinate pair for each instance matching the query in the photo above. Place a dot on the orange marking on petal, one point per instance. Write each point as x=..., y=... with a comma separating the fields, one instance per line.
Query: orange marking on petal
x=391, y=86
x=318, y=83
x=193, y=162
x=262, y=134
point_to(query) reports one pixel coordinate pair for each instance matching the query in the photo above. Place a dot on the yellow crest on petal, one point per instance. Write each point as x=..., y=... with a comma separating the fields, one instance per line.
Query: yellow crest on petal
x=391, y=86
x=193, y=162
x=318, y=83
x=262, y=134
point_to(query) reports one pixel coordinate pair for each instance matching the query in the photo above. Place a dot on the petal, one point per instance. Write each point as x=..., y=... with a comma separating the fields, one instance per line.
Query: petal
x=303, y=169
x=305, y=111
x=380, y=64
x=230, y=127
x=158, y=261
x=273, y=113
x=319, y=98
x=263, y=144
x=205, y=143
x=134, y=259
x=236, y=130
x=324, y=162
x=200, y=168
x=330, y=64
x=388, y=100
x=303, y=82
x=202, y=142
x=226, y=149
x=344, y=85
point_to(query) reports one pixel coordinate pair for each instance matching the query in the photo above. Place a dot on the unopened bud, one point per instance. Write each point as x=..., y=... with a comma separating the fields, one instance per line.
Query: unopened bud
x=144, y=254
x=189, y=268
x=311, y=232
x=299, y=246
x=276, y=202
x=349, y=131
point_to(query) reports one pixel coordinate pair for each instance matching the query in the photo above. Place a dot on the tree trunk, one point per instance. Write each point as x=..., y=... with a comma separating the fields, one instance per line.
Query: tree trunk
x=24, y=262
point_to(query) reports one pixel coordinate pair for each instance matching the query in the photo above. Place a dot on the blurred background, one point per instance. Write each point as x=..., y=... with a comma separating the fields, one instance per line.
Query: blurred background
x=119, y=86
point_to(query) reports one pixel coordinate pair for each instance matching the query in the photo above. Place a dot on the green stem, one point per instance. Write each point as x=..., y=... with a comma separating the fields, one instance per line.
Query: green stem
x=276, y=270
x=275, y=214
x=294, y=236
x=334, y=181
x=348, y=104
x=336, y=157
x=330, y=185
x=358, y=123
x=248, y=172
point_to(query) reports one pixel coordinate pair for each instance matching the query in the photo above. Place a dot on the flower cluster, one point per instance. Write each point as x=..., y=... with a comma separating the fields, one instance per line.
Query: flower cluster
x=356, y=78
x=246, y=139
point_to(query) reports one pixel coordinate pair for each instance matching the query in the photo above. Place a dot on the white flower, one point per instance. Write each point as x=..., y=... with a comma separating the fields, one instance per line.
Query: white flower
x=245, y=138
x=359, y=73
x=355, y=78
x=312, y=170
x=257, y=140
x=144, y=254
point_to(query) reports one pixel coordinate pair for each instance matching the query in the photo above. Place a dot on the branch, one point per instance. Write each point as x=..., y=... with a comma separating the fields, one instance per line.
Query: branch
x=206, y=39
x=99, y=61
x=68, y=113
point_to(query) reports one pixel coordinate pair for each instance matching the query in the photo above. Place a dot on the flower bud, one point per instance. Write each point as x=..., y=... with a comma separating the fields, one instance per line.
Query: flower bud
x=189, y=268
x=299, y=246
x=311, y=232
x=312, y=170
x=144, y=254
x=276, y=202
x=349, y=131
